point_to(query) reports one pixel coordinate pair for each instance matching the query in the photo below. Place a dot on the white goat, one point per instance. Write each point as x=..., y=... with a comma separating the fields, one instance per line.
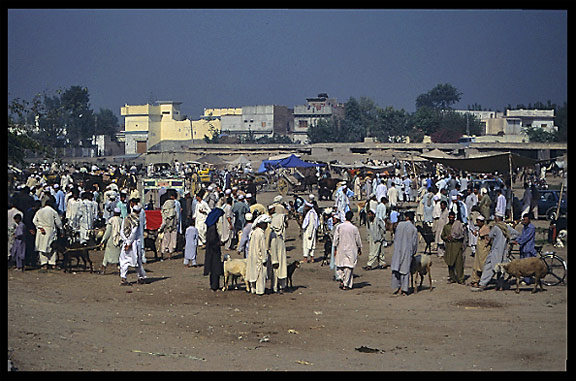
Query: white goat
x=235, y=268
x=420, y=265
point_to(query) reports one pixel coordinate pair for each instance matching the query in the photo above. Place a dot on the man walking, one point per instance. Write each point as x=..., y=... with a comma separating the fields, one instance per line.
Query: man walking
x=453, y=237
x=347, y=248
x=131, y=253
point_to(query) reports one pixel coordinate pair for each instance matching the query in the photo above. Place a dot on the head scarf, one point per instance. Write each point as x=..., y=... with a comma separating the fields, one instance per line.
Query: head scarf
x=213, y=216
x=263, y=218
x=132, y=220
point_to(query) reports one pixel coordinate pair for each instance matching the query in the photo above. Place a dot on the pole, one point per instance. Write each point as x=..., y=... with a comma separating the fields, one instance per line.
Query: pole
x=511, y=187
x=559, y=201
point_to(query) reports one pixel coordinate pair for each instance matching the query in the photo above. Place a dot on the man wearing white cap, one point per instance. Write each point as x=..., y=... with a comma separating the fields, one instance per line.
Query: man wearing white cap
x=278, y=206
x=244, y=241
x=485, y=203
x=258, y=255
x=112, y=240
x=278, y=249
x=131, y=252
x=309, y=228
x=342, y=204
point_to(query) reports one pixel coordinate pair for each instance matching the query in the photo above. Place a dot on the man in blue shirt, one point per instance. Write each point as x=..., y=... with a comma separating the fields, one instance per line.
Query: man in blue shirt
x=526, y=240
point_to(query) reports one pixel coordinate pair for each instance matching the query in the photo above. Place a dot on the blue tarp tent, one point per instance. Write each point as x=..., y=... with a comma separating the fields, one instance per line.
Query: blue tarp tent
x=290, y=162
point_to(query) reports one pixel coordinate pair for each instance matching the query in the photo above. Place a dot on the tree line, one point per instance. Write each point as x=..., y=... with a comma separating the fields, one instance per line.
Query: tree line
x=434, y=116
x=51, y=122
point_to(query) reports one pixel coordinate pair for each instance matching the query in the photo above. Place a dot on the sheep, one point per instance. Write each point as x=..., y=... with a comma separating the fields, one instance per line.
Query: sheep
x=235, y=268
x=420, y=264
x=560, y=238
x=519, y=268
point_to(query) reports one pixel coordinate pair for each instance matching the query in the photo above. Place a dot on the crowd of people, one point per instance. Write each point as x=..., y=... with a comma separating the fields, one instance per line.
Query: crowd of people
x=226, y=215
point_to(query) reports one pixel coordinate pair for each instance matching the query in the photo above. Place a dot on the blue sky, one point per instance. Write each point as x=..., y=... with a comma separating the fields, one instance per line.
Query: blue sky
x=240, y=57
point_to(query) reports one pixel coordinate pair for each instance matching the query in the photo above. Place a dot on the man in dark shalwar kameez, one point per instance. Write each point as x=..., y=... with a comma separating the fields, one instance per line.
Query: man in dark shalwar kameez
x=453, y=237
x=213, y=261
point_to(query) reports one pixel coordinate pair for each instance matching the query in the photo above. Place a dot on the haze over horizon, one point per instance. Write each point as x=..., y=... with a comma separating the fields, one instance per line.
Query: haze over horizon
x=209, y=58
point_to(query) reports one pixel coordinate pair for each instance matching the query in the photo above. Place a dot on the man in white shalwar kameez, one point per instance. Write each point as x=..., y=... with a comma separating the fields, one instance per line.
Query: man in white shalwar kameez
x=309, y=228
x=258, y=255
x=47, y=221
x=131, y=253
x=278, y=249
x=347, y=247
x=85, y=218
x=200, y=214
x=405, y=246
x=342, y=203
x=72, y=211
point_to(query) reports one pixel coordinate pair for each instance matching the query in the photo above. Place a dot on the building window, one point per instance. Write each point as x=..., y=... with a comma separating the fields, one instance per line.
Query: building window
x=263, y=124
x=303, y=123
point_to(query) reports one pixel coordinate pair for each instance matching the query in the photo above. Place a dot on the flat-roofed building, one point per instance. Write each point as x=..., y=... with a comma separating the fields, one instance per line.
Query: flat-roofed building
x=315, y=109
x=146, y=126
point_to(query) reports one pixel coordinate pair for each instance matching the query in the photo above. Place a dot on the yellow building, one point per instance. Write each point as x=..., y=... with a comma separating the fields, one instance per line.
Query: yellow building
x=145, y=126
x=211, y=121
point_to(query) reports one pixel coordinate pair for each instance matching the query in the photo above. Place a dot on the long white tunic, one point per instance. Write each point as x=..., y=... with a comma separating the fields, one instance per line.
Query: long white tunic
x=72, y=212
x=200, y=214
x=47, y=219
x=257, y=256
x=347, y=244
x=278, y=244
x=309, y=226
x=129, y=256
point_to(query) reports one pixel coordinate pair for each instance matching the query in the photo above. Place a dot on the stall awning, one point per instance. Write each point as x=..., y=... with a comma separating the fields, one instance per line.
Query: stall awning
x=483, y=163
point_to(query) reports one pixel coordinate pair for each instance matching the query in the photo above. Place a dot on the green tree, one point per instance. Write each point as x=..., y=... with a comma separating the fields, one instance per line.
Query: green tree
x=325, y=131
x=540, y=135
x=426, y=119
x=391, y=123
x=442, y=97
x=106, y=123
x=19, y=139
x=78, y=116
x=561, y=121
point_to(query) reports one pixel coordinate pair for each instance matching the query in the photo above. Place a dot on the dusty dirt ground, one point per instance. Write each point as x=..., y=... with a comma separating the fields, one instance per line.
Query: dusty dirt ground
x=82, y=321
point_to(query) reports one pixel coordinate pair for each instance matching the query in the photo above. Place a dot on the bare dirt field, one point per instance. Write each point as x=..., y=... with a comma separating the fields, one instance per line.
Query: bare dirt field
x=82, y=321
